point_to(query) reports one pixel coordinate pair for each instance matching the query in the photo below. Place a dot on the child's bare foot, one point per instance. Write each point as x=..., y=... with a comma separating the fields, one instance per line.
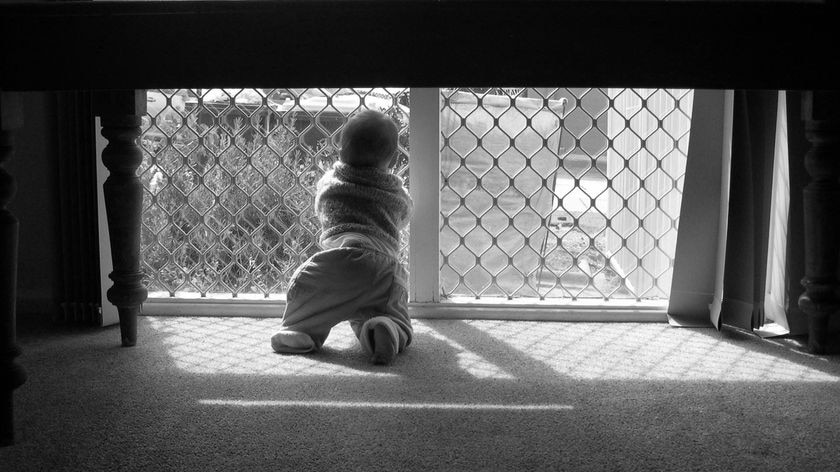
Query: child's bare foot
x=292, y=342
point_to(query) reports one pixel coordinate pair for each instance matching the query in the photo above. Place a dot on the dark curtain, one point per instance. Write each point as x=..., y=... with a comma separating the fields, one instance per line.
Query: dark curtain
x=78, y=211
x=795, y=257
x=751, y=177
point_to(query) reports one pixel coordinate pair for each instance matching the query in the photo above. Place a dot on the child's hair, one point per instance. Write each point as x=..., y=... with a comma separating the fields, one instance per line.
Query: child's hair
x=369, y=139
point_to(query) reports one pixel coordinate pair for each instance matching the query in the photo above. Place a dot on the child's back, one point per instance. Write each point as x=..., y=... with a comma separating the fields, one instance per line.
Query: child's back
x=362, y=207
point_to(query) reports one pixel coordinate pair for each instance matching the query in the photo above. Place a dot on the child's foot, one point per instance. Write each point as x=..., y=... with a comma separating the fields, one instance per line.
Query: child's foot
x=292, y=342
x=384, y=345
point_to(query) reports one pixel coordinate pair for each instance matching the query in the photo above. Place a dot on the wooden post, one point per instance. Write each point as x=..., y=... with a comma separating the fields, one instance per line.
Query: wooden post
x=12, y=374
x=821, y=114
x=121, y=114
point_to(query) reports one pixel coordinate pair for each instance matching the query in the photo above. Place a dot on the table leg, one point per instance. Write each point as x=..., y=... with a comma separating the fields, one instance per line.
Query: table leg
x=121, y=115
x=821, y=113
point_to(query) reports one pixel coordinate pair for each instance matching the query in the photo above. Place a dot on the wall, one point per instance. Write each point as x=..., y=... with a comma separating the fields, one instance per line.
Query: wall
x=36, y=207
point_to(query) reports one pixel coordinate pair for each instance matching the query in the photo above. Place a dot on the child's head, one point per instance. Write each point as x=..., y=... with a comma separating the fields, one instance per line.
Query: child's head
x=369, y=139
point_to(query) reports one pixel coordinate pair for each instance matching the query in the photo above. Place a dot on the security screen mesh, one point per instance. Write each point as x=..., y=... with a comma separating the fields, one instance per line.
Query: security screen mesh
x=561, y=193
x=229, y=178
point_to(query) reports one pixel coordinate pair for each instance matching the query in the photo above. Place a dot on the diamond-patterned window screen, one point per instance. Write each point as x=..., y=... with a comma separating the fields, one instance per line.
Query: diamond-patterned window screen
x=229, y=178
x=561, y=193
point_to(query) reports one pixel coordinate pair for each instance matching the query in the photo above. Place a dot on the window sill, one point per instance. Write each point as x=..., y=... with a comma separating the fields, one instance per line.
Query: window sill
x=460, y=308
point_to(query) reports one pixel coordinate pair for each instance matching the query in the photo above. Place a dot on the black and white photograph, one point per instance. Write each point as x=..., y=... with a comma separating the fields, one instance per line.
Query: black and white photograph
x=419, y=235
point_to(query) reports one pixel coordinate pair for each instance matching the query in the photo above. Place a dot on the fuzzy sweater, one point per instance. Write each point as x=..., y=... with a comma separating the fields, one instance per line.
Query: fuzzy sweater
x=364, y=200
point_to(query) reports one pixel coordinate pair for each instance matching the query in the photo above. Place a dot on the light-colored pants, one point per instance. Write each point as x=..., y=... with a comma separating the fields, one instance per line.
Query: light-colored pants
x=351, y=284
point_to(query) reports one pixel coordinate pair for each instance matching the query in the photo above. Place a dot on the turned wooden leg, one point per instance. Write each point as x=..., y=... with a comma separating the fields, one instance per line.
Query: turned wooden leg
x=821, y=113
x=12, y=374
x=121, y=114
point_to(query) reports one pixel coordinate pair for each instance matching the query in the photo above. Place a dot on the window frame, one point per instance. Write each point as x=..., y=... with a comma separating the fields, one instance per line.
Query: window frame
x=424, y=260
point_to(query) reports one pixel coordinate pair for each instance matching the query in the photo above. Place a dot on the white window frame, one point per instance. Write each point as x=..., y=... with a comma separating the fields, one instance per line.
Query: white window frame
x=424, y=259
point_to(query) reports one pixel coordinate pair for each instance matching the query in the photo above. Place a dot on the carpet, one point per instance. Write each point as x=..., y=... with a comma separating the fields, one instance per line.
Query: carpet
x=209, y=394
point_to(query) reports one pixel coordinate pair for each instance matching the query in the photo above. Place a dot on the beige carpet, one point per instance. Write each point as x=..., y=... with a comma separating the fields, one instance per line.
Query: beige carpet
x=208, y=394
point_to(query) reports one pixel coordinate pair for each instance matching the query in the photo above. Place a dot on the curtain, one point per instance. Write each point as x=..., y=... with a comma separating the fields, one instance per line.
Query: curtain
x=742, y=301
x=797, y=146
x=78, y=211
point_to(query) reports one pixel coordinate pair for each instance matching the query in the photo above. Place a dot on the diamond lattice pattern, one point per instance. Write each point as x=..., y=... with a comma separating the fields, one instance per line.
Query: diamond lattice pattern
x=561, y=193
x=229, y=176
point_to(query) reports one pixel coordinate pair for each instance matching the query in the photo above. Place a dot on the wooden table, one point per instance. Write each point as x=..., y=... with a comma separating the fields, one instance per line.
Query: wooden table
x=118, y=49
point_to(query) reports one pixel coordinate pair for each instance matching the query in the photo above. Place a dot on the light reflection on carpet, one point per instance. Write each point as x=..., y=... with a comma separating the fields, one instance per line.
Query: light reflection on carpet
x=387, y=405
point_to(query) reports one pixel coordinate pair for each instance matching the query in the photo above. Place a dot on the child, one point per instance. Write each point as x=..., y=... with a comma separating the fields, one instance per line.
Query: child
x=357, y=276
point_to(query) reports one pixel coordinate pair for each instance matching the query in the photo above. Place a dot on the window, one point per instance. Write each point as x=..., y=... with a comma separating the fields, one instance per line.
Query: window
x=546, y=194
x=561, y=193
x=229, y=179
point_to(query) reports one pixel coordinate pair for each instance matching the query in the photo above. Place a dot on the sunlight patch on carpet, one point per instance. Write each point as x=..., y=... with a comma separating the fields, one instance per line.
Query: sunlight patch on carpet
x=387, y=405
x=242, y=346
x=205, y=345
x=644, y=351
x=490, y=350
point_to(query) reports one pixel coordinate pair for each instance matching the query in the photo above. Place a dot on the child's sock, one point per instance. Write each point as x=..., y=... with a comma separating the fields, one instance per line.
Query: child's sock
x=384, y=346
x=384, y=340
x=292, y=342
